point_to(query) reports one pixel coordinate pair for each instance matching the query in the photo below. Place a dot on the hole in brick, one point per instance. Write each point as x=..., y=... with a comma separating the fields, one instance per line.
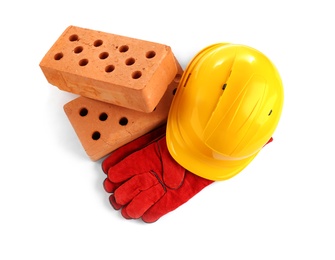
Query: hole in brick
x=96, y=135
x=73, y=38
x=83, y=111
x=130, y=61
x=124, y=48
x=150, y=54
x=83, y=62
x=78, y=49
x=58, y=56
x=103, y=55
x=109, y=68
x=123, y=121
x=136, y=74
x=98, y=43
x=103, y=116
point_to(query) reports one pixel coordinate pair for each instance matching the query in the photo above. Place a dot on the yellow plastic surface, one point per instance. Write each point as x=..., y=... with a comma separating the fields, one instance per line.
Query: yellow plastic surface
x=227, y=106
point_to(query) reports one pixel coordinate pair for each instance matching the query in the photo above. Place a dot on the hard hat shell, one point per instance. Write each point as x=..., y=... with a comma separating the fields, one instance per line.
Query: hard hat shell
x=226, y=108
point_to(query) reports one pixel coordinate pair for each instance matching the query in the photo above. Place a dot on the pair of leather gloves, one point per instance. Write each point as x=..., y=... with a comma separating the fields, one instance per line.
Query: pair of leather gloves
x=145, y=182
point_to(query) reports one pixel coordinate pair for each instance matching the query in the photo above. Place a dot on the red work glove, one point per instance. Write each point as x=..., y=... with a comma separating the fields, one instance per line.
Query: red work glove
x=126, y=150
x=146, y=182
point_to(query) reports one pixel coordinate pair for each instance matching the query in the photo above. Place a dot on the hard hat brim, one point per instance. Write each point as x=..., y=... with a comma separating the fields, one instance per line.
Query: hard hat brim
x=204, y=165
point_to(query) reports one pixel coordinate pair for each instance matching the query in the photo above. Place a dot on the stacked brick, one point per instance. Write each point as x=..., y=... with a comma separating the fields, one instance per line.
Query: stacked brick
x=125, y=85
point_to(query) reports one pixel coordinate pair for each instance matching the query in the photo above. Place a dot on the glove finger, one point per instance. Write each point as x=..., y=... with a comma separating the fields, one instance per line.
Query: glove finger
x=166, y=204
x=114, y=204
x=192, y=185
x=143, y=201
x=173, y=173
x=109, y=186
x=124, y=213
x=131, y=188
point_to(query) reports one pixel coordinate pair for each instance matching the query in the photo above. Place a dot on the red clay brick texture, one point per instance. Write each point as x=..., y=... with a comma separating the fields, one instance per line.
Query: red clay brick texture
x=102, y=127
x=119, y=70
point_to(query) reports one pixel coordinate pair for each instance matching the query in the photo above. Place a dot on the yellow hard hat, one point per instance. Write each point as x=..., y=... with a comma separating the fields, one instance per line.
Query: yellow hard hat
x=226, y=108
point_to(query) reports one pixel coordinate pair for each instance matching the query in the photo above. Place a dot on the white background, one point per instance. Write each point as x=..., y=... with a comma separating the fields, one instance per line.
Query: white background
x=281, y=206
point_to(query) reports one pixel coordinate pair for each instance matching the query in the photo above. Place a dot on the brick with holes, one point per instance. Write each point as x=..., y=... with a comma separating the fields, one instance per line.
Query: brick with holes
x=119, y=70
x=102, y=127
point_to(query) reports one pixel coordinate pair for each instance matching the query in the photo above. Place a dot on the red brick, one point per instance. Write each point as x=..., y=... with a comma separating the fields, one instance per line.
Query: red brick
x=119, y=70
